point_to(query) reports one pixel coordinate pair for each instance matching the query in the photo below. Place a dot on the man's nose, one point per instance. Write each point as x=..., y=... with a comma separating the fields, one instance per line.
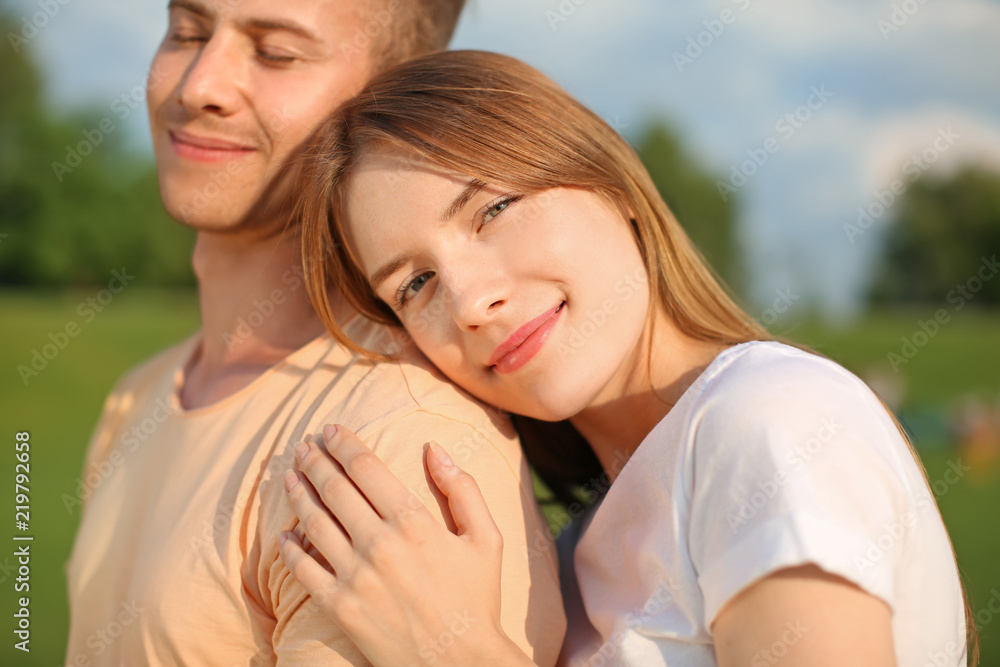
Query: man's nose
x=213, y=82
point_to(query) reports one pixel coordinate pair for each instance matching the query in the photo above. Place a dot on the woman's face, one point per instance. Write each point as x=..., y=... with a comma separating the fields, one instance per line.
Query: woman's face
x=533, y=303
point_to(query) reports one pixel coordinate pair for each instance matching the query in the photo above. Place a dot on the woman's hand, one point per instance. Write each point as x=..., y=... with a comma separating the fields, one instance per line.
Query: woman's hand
x=401, y=585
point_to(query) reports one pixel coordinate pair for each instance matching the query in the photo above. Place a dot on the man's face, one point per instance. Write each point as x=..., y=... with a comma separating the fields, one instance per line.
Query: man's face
x=234, y=88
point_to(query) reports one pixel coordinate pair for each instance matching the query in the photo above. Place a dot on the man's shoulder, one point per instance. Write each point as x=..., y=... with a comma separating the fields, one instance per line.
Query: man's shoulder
x=154, y=370
x=408, y=386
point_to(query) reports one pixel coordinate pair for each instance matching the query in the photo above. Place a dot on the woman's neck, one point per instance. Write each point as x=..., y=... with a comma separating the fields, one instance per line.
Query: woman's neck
x=641, y=394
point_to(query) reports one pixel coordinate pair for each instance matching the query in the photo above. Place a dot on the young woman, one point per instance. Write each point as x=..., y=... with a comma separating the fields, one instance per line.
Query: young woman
x=754, y=502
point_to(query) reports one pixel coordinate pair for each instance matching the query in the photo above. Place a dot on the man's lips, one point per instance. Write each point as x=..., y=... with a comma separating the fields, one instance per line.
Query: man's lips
x=206, y=149
x=524, y=343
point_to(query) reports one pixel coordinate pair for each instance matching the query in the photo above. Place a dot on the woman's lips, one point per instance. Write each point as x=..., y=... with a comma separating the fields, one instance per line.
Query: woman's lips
x=525, y=343
x=205, y=149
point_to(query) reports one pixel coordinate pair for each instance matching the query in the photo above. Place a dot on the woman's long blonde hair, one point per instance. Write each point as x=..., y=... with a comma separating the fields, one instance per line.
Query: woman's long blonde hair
x=493, y=118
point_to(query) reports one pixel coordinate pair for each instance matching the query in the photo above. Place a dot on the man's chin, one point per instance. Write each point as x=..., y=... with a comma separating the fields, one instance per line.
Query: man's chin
x=228, y=202
x=218, y=218
x=259, y=219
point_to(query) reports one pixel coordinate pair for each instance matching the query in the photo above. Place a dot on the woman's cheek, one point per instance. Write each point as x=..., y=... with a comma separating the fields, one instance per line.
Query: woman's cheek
x=433, y=340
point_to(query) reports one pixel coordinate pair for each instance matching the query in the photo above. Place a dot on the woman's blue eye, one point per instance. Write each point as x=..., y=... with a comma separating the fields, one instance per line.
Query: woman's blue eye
x=407, y=290
x=419, y=282
x=496, y=210
x=498, y=207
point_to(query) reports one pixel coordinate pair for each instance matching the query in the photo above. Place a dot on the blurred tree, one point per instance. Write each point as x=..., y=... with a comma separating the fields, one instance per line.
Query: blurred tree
x=943, y=243
x=692, y=196
x=74, y=203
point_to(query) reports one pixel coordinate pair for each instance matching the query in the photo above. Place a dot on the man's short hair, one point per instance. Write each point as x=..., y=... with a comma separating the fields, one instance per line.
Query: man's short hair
x=404, y=29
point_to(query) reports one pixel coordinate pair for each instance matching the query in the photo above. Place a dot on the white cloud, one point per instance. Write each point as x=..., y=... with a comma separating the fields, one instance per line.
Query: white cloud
x=793, y=25
x=892, y=142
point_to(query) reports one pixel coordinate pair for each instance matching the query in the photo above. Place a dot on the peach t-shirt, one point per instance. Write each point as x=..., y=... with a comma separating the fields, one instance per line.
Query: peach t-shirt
x=176, y=559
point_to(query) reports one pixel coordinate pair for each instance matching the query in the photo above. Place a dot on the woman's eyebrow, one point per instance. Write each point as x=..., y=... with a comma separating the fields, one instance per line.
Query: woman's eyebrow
x=393, y=265
x=467, y=193
x=388, y=269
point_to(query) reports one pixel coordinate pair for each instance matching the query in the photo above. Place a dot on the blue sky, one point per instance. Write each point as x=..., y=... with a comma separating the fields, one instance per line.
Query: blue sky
x=896, y=76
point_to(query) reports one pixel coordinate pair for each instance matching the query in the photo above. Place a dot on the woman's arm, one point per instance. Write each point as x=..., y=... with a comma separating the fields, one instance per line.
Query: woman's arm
x=804, y=616
x=404, y=587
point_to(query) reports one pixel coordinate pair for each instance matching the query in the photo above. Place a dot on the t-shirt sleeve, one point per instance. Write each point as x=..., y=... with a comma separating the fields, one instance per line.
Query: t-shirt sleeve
x=798, y=463
x=531, y=614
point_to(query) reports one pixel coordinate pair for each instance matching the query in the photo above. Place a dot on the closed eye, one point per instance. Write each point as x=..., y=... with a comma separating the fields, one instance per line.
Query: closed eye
x=275, y=59
x=187, y=39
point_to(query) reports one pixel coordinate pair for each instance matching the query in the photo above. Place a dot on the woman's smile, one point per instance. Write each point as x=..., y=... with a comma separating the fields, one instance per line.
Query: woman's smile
x=522, y=345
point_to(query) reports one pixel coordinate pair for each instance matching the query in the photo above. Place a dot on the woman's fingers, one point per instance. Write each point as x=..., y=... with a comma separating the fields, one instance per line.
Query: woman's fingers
x=316, y=579
x=337, y=492
x=383, y=490
x=465, y=499
x=325, y=534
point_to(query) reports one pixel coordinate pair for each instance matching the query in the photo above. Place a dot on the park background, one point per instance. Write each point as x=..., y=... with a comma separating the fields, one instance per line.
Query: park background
x=837, y=161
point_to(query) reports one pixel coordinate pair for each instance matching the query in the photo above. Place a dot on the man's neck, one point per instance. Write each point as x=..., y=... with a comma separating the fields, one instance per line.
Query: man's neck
x=254, y=312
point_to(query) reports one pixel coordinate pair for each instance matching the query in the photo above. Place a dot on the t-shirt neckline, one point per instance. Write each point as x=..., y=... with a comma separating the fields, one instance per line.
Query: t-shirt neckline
x=191, y=347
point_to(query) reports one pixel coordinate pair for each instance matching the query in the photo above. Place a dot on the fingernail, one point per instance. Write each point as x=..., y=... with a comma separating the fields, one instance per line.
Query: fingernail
x=282, y=538
x=441, y=455
x=291, y=480
x=329, y=431
x=301, y=451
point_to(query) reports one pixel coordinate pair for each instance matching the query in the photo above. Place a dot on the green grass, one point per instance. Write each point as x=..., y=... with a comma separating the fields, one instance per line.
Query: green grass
x=60, y=408
x=962, y=358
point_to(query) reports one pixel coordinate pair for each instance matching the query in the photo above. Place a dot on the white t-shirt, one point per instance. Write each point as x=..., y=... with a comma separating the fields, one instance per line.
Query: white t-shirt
x=773, y=458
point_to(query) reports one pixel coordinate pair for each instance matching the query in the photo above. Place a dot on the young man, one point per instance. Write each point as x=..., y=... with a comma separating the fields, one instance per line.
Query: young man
x=176, y=560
